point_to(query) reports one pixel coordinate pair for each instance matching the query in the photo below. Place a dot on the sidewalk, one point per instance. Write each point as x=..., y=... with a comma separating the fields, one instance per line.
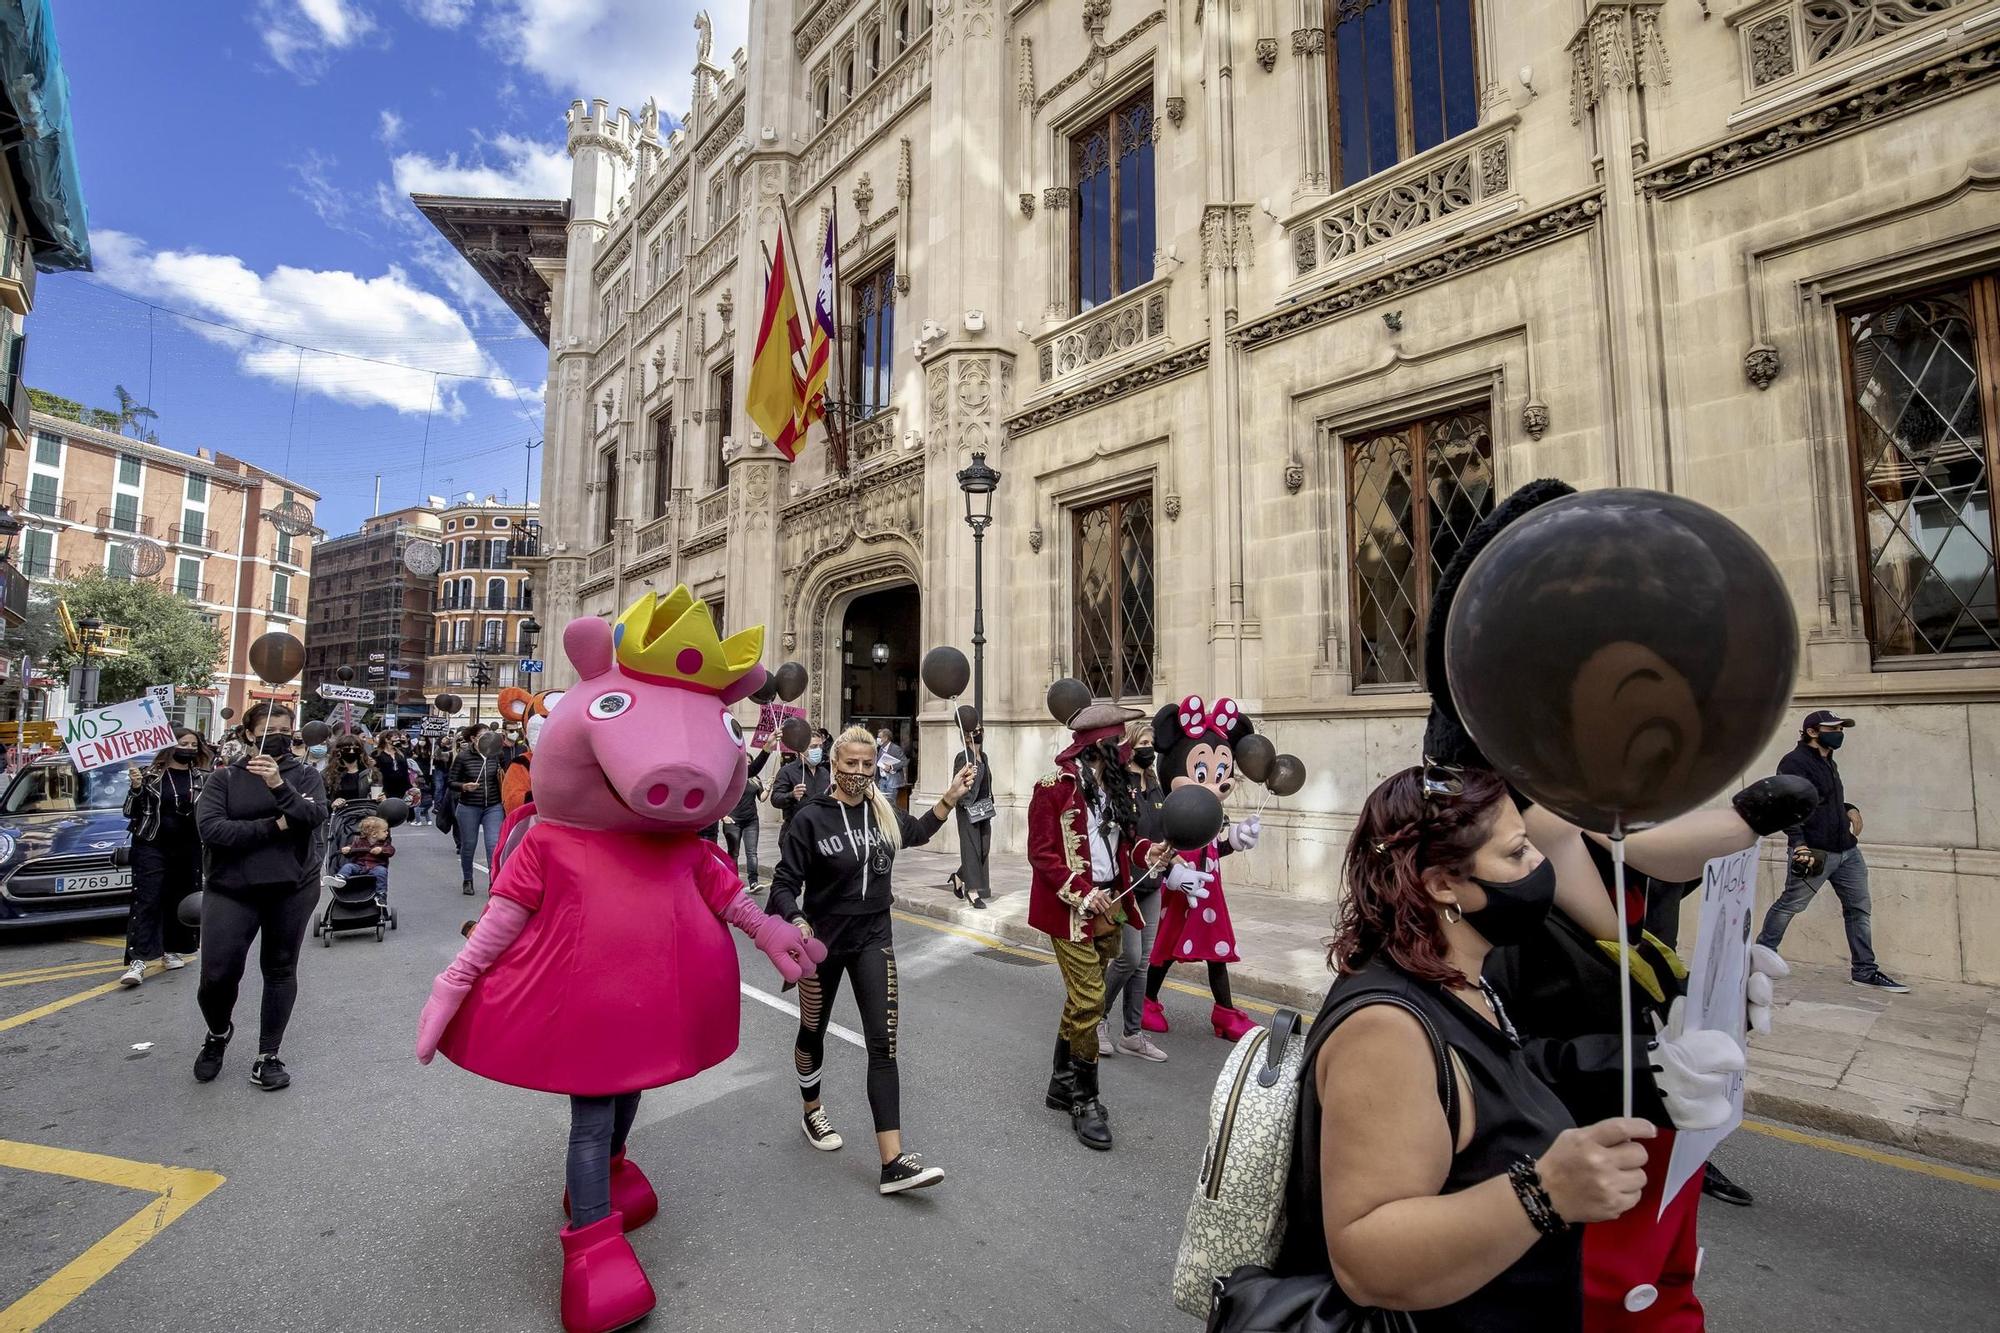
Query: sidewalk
x=1918, y=1071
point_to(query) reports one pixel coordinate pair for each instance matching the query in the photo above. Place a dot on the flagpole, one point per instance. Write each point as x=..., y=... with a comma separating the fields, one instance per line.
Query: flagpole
x=841, y=458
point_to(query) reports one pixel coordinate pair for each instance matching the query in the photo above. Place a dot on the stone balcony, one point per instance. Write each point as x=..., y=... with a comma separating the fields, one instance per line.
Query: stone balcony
x=665, y=302
x=1127, y=329
x=713, y=258
x=907, y=78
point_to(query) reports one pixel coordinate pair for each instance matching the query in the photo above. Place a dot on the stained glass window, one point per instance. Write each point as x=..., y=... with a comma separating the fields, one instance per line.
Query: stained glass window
x=873, y=303
x=1404, y=79
x=1111, y=237
x=1415, y=492
x=1113, y=544
x=1920, y=370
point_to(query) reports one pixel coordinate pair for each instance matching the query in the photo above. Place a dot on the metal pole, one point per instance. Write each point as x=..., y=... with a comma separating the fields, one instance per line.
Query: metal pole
x=979, y=620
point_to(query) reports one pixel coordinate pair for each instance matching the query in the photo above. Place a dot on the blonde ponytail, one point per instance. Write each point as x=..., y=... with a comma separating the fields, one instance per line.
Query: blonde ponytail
x=889, y=828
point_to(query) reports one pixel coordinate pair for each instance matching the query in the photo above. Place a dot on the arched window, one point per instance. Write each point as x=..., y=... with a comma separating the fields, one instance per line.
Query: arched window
x=718, y=204
x=1404, y=79
x=902, y=27
x=822, y=101
x=871, y=53
x=527, y=595
x=464, y=593
x=496, y=594
x=469, y=557
x=471, y=523
x=494, y=636
x=847, y=78
x=459, y=631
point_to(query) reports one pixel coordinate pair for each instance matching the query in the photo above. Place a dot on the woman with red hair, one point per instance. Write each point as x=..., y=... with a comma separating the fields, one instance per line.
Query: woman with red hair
x=1437, y=1172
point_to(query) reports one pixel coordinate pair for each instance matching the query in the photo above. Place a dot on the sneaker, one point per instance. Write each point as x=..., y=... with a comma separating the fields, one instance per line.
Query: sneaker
x=1104, y=1046
x=269, y=1073
x=134, y=974
x=819, y=1130
x=1880, y=980
x=174, y=962
x=1718, y=1186
x=209, y=1063
x=466, y=888
x=905, y=1172
x=1141, y=1045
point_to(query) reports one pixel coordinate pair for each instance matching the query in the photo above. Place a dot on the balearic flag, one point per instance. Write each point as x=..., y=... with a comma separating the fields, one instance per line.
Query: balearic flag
x=776, y=398
x=819, y=355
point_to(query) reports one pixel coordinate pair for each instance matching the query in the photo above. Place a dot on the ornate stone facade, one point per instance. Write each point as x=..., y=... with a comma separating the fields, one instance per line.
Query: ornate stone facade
x=1642, y=283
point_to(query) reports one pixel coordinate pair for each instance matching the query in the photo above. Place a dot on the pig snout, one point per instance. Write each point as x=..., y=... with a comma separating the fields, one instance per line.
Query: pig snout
x=673, y=789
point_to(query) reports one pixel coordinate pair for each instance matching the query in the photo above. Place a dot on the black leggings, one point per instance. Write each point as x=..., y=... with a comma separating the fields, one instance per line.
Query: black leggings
x=874, y=973
x=597, y=1130
x=163, y=873
x=1218, y=982
x=280, y=912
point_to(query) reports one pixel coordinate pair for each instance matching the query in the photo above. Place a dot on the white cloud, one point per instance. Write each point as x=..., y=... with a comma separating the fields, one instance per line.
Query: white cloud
x=302, y=35
x=622, y=50
x=386, y=318
x=503, y=166
x=327, y=200
x=442, y=13
x=389, y=128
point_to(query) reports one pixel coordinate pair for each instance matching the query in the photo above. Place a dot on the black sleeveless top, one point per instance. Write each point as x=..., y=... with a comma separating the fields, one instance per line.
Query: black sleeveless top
x=1514, y=1115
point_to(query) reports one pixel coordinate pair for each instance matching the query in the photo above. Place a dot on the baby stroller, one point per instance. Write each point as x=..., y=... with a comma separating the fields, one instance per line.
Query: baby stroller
x=352, y=906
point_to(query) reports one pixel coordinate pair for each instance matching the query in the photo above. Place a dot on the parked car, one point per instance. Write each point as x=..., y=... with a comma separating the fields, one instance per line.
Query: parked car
x=60, y=835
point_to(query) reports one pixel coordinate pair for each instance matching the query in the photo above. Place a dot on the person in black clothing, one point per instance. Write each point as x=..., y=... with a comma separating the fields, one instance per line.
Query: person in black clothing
x=804, y=779
x=739, y=827
x=350, y=773
x=833, y=880
x=1825, y=848
x=475, y=779
x=975, y=821
x=1452, y=1186
x=261, y=821
x=166, y=854
x=392, y=761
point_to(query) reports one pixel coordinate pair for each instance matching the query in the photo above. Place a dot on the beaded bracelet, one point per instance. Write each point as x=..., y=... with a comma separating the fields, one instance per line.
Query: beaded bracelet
x=1526, y=1179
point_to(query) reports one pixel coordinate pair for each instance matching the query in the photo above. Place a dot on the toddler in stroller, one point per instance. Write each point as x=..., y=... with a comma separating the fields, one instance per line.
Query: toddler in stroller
x=357, y=872
x=367, y=852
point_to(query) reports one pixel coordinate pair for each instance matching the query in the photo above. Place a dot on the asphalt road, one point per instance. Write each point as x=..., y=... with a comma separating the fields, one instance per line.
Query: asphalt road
x=375, y=1194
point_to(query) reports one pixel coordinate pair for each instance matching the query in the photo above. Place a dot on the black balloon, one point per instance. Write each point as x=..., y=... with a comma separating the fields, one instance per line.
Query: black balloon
x=315, y=732
x=968, y=719
x=448, y=703
x=945, y=672
x=1191, y=817
x=276, y=657
x=1287, y=774
x=393, y=809
x=1067, y=698
x=343, y=674
x=189, y=911
x=791, y=680
x=1621, y=655
x=488, y=743
x=1254, y=754
x=766, y=692
x=228, y=713
x=795, y=734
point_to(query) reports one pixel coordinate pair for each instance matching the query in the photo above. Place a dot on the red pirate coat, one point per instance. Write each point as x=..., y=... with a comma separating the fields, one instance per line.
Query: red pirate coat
x=1057, y=826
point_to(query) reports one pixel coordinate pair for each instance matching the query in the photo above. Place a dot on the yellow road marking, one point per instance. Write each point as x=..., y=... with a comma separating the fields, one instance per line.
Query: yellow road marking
x=1957, y=1175
x=108, y=941
x=1043, y=956
x=176, y=1188
x=7, y=1024
x=54, y=969
x=84, y=970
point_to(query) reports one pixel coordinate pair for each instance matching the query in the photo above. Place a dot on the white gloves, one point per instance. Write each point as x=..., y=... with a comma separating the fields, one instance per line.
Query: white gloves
x=1692, y=1069
x=1243, y=836
x=1194, y=883
x=1764, y=966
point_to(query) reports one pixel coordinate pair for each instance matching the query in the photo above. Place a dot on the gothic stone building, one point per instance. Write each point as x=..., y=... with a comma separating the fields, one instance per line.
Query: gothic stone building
x=1256, y=305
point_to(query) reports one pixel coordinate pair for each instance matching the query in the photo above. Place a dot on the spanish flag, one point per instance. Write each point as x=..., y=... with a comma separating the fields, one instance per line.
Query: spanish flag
x=776, y=400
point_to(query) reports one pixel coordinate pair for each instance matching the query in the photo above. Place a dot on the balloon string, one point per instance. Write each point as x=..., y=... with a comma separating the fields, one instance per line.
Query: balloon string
x=1624, y=968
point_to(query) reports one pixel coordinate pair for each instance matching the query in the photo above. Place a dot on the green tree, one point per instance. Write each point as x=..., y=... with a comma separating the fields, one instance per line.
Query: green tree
x=54, y=405
x=171, y=644
x=131, y=413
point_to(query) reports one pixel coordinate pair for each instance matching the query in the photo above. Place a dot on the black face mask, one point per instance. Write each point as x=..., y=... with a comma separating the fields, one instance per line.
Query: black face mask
x=1831, y=739
x=277, y=747
x=1515, y=911
x=185, y=754
x=1144, y=756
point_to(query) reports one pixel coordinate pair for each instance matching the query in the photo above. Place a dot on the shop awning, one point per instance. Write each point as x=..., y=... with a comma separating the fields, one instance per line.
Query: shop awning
x=39, y=140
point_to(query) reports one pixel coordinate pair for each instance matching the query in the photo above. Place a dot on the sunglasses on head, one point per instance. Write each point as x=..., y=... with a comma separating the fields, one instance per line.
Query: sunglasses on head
x=1441, y=780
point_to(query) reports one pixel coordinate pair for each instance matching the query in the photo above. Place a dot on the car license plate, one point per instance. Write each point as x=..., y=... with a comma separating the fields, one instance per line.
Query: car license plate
x=102, y=882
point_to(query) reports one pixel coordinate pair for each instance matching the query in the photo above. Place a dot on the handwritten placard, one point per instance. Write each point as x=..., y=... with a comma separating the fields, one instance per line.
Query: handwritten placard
x=119, y=734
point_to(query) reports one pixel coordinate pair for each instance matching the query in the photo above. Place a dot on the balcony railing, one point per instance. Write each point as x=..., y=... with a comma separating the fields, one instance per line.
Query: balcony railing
x=207, y=538
x=664, y=303
x=29, y=505
x=602, y=559
x=138, y=524
x=1119, y=330
x=712, y=510
x=907, y=78
x=284, y=606
x=195, y=592
x=44, y=568
x=17, y=274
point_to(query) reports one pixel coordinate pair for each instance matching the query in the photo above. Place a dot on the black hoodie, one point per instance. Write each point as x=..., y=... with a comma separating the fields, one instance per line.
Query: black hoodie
x=823, y=855
x=818, y=780
x=238, y=818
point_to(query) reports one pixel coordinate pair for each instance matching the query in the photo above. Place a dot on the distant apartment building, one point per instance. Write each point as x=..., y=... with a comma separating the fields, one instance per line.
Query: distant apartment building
x=485, y=602
x=211, y=528
x=43, y=227
x=371, y=612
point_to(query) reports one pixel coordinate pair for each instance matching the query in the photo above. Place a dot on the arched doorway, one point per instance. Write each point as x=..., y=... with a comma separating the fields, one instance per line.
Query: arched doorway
x=880, y=647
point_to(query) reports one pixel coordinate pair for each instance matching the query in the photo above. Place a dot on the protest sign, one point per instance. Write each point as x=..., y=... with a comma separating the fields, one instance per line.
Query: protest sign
x=1715, y=994
x=119, y=734
x=769, y=718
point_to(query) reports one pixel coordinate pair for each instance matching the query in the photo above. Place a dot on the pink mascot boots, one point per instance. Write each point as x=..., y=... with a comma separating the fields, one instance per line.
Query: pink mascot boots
x=1230, y=1024
x=631, y=1194
x=1155, y=1019
x=603, y=1287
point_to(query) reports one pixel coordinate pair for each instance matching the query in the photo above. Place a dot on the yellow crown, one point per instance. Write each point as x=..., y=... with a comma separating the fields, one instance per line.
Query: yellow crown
x=673, y=639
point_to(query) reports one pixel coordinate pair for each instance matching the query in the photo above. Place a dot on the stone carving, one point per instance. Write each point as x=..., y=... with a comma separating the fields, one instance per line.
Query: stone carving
x=1027, y=203
x=817, y=24
x=1171, y=505
x=1761, y=365
x=1617, y=47
x=1649, y=48
x=1267, y=53
x=1095, y=12
x=620, y=248
x=1026, y=88
x=1535, y=418
x=1056, y=197
x=1514, y=237
x=1478, y=173
x=1771, y=55
x=668, y=195
x=1295, y=475
x=864, y=196
x=903, y=171
x=1612, y=49
x=1836, y=26
x=978, y=19
x=938, y=400
x=1225, y=238
x=1035, y=539
x=1308, y=41
x=1493, y=174
x=1949, y=76
x=1114, y=332
x=719, y=136
x=726, y=307
x=1095, y=64
x=1176, y=109
x=1140, y=377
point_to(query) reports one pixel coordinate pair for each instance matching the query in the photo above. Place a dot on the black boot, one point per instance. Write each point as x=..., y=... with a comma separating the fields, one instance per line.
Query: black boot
x=1062, y=1083
x=1718, y=1186
x=1086, y=1114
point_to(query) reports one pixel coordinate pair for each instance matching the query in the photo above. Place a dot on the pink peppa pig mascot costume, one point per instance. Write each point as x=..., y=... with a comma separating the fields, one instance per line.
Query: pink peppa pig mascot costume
x=602, y=966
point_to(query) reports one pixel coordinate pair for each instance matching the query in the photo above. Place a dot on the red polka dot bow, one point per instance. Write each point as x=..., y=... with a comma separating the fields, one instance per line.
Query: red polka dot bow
x=1198, y=720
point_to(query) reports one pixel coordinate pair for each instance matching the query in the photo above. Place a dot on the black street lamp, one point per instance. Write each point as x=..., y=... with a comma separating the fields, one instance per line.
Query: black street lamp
x=978, y=481
x=531, y=628
x=482, y=673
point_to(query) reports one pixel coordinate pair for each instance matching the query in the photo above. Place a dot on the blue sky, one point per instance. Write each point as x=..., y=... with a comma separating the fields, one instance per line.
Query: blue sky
x=250, y=163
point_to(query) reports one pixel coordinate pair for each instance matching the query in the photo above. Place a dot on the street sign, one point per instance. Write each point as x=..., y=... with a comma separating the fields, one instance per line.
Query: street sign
x=118, y=734
x=531, y=666
x=347, y=694
x=399, y=675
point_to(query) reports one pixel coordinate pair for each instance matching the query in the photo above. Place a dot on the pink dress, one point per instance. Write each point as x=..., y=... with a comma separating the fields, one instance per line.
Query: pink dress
x=623, y=979
x=1201, y=934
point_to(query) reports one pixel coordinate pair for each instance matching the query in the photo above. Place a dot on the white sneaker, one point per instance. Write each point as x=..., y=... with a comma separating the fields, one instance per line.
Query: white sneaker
x=1141, y=1045
x=174, y=963
x=1104, y=1046
x=134, y=974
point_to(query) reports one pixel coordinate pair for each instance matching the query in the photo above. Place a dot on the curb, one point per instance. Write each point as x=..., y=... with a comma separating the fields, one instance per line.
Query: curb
x=1962, y=1145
